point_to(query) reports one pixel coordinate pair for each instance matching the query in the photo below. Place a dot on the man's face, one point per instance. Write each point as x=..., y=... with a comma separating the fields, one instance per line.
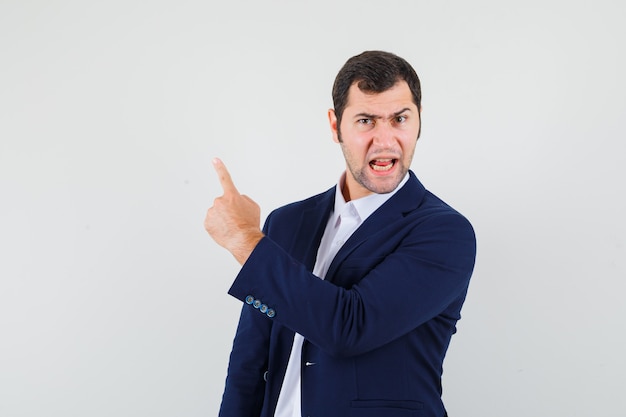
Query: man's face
x=377, y=135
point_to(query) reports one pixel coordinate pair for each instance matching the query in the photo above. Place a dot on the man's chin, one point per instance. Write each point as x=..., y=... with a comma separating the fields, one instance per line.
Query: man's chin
x=382, y=184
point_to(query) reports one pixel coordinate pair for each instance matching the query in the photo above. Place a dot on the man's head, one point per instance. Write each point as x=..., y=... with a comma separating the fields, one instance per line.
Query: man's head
x=376, y=121
x=374, y=72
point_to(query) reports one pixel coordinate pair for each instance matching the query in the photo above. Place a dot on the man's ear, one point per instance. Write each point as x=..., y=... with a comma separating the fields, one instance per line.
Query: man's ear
x=332, y=120
x=419, y=132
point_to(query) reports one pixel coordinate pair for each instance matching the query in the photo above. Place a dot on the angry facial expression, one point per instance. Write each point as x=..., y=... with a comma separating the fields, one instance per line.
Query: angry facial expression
x=377, y=134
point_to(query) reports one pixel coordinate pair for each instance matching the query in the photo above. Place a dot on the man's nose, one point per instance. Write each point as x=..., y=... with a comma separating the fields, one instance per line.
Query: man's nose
x=383, y=134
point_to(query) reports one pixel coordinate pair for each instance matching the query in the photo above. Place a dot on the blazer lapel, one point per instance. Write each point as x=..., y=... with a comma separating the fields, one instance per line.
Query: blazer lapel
x=404, y=201
x=309, y=232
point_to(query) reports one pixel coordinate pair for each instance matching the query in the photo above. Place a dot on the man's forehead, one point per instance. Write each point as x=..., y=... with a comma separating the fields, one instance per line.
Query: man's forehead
x=391, y=100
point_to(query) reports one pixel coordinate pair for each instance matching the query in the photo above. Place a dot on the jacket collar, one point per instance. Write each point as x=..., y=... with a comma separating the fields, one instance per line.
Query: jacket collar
x=312, y=224
x=314, y=218
x=406, y=200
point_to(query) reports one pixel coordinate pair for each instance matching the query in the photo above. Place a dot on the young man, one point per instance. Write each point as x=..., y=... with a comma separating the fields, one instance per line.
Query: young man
x=351, y=296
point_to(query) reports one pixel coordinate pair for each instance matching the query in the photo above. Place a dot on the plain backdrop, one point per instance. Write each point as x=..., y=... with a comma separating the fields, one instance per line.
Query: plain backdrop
x=112, y=296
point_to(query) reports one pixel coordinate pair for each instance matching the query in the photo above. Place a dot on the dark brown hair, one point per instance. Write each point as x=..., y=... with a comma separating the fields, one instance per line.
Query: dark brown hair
x=374, y=72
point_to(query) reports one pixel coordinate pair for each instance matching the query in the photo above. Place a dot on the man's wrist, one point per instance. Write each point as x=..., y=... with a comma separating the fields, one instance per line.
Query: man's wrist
x=243, y=252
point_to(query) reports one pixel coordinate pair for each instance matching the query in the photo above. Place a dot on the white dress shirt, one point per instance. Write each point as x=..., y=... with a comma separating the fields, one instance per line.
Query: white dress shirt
x=343, y=221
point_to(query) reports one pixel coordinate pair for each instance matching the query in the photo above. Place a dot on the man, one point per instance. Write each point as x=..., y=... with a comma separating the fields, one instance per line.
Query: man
x=351, y=296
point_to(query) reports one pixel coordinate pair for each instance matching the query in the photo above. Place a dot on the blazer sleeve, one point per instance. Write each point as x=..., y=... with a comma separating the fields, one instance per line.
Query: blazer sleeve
x=426, y=271
x=245, y=385
x=245, y=381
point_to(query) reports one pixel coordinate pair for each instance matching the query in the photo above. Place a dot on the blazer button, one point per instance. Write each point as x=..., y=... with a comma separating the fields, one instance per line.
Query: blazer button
x=249, y=299
x=256, y=303
x=271, y=313
x=263, y=309
x=265, y=375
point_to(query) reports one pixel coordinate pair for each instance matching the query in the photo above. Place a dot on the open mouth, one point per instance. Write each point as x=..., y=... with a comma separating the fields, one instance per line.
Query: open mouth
x=382, y=165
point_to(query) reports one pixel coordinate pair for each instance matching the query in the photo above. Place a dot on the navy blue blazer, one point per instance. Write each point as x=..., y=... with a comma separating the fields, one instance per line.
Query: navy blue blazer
x=376, y=329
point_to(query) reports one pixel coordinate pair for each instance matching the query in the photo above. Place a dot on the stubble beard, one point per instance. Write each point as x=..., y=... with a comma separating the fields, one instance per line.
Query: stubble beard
x=378, y=185
x=373, y=183
x=370, y=184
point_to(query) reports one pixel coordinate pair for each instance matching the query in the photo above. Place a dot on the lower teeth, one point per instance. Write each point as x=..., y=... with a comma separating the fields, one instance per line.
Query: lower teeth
x=381, y=167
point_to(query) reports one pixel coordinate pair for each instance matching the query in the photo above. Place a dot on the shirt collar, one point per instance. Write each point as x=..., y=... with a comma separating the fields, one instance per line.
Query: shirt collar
x=363, y=206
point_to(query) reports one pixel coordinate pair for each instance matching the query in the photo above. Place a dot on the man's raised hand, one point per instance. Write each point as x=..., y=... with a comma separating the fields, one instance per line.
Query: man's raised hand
x=233, y=221
x=224, y=176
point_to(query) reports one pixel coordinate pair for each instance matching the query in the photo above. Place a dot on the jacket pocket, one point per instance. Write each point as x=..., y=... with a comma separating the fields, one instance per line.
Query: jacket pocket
x=385, y=408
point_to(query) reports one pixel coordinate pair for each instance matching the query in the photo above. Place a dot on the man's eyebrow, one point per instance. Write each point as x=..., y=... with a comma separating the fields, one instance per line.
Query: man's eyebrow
x=398, y=113
x=374, y=116
x=366, y=115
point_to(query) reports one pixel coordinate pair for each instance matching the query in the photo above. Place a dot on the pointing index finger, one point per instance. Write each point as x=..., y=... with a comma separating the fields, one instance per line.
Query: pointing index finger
x=224, y=177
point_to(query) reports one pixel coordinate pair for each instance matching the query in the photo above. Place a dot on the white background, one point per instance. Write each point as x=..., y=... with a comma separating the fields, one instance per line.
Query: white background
x=113, y=298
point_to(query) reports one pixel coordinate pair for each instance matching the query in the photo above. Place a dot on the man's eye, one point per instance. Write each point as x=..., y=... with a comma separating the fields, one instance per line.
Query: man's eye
x=401, y=119
x=365, y=121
